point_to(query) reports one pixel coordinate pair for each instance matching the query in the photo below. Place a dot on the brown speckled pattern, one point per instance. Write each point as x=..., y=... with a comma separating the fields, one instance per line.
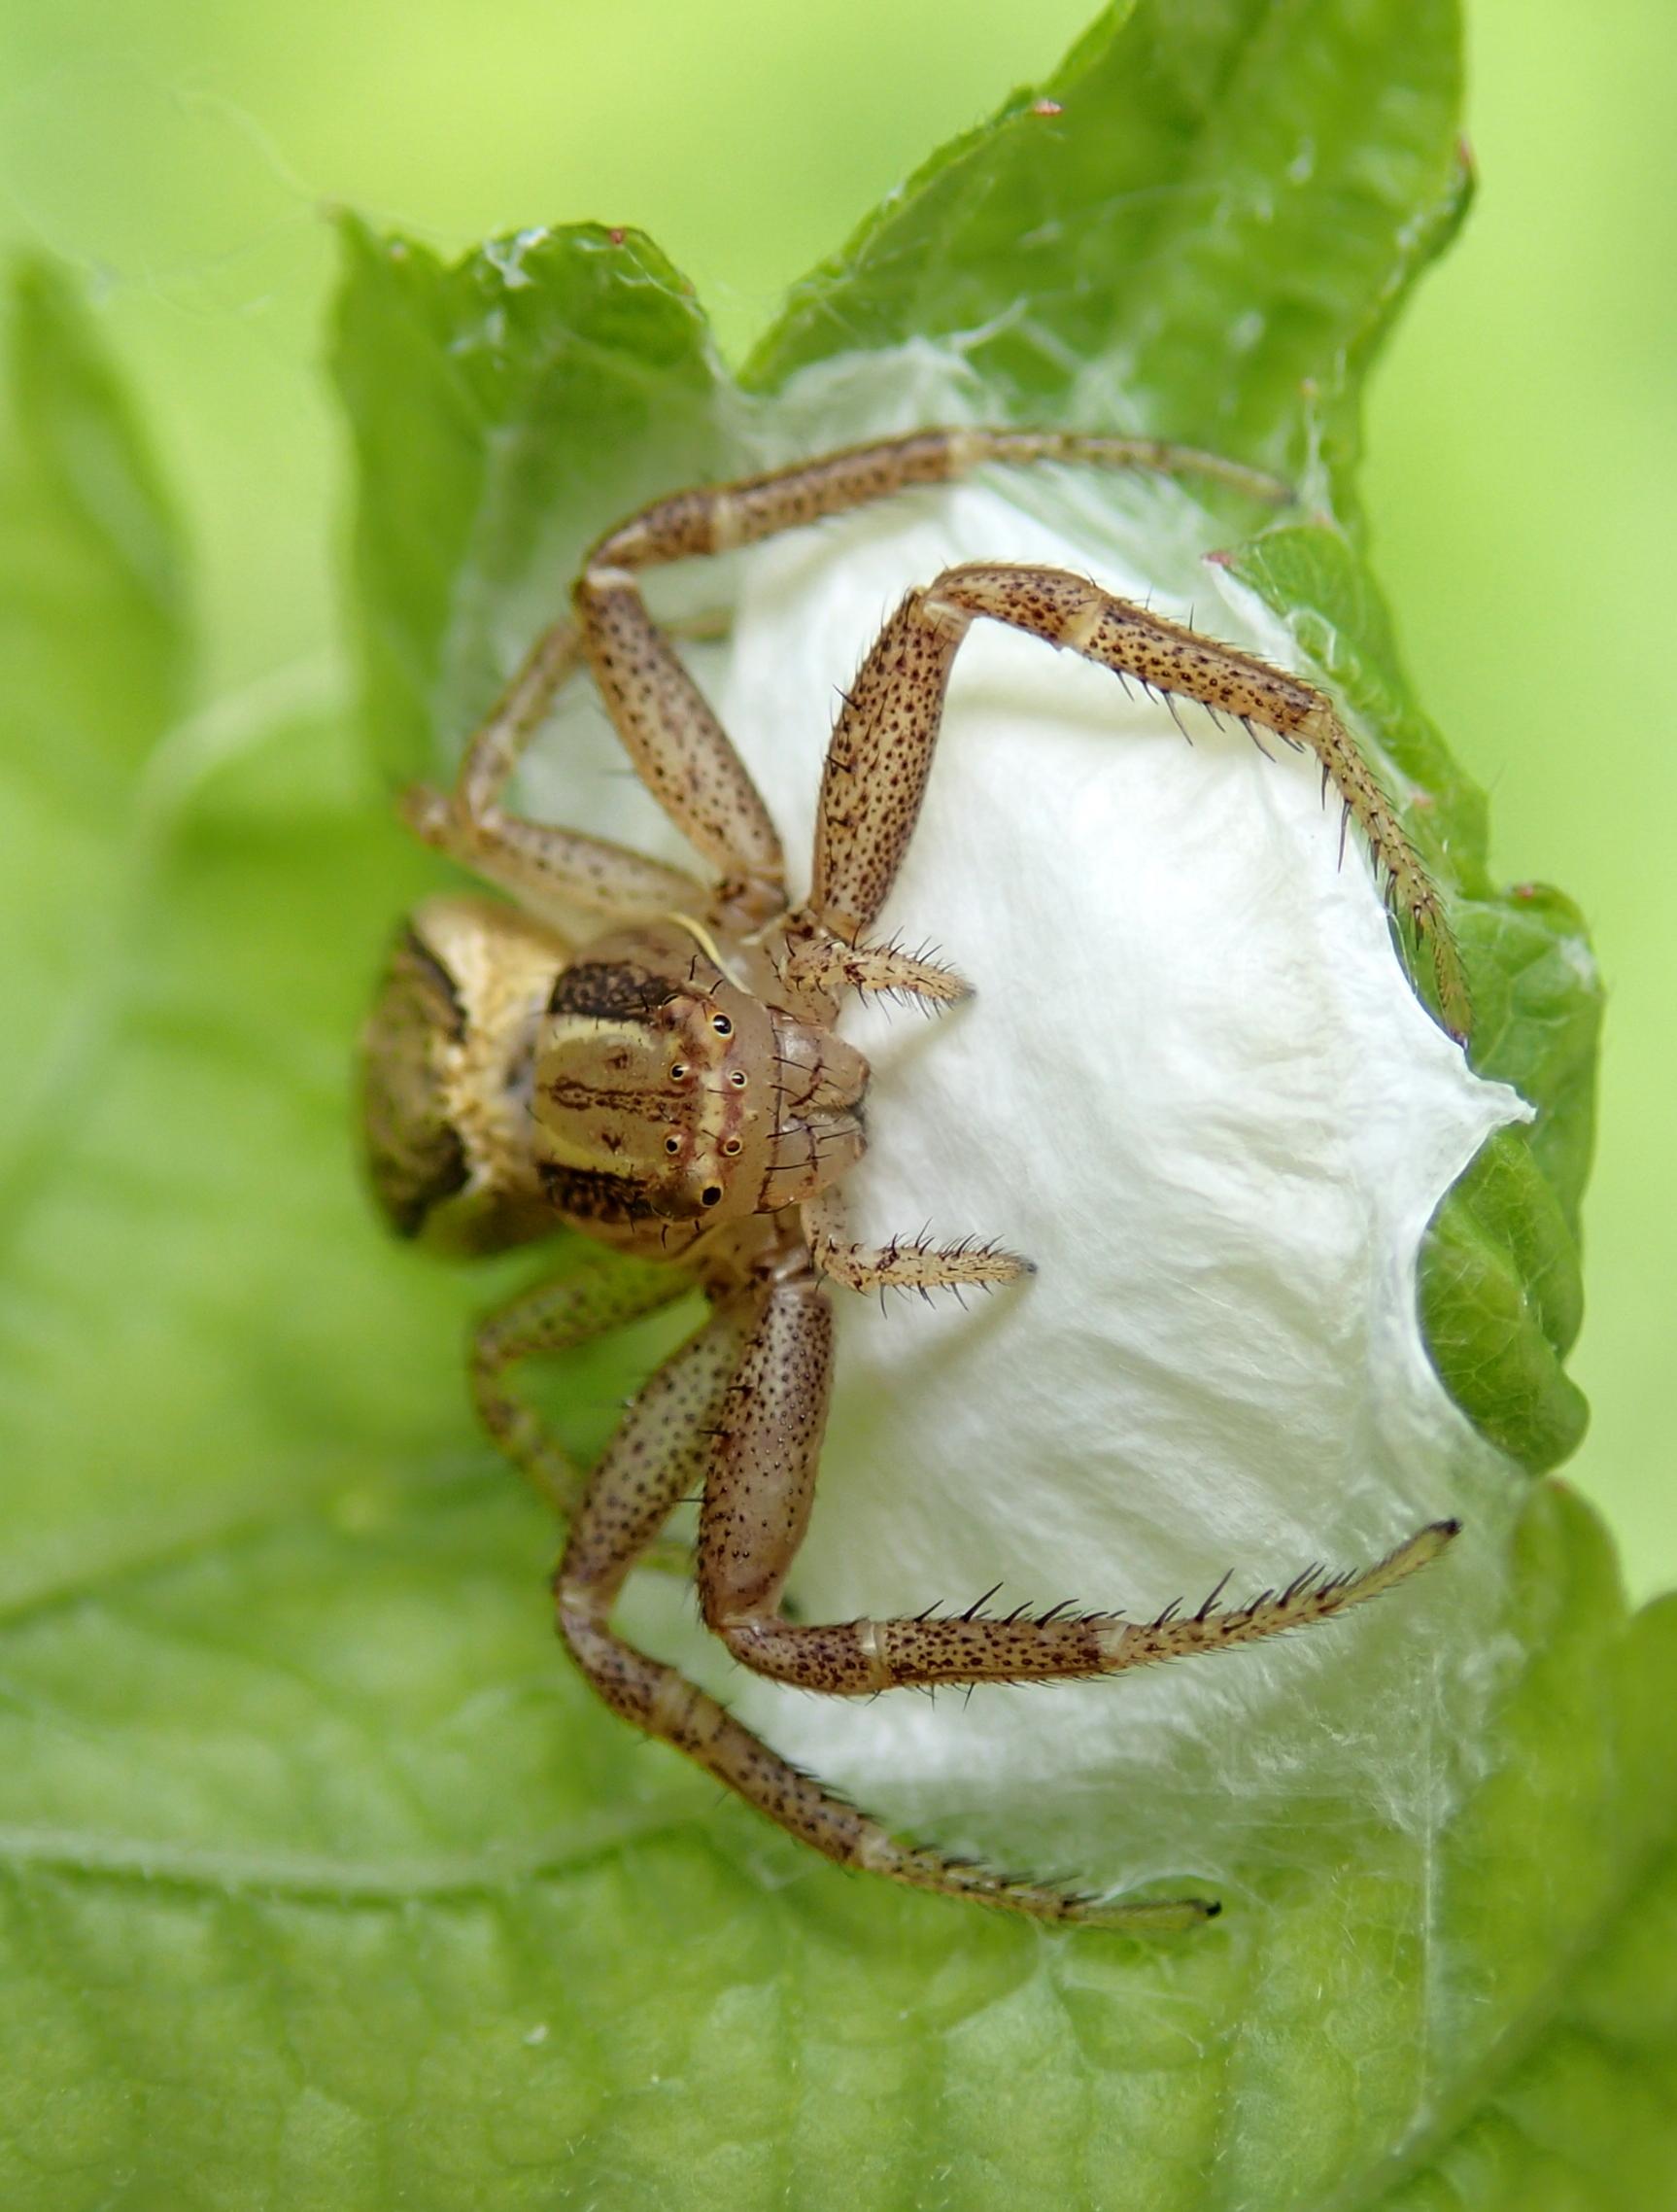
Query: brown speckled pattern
x=1164, y=656
x=598, y=1294
x=760, y=1476
x=671, y=735
x=877, y=764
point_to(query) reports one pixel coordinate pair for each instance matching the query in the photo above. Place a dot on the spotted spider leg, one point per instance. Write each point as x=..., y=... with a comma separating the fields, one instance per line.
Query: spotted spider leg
x=599, y=1292
x=672, y=1434
x=906, y=1263
x=884, y=741
x=669, y=731
x=882, y=744
x=693, y=769
x=759, y=1487
x=552, y=872
x=743, y=1406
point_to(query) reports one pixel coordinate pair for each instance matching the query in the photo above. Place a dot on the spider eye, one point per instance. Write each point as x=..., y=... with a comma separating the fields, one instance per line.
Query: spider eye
x=711, y=1194
x=733, y=1146
x=737, y=1078
x=722, y=1025
x=673, y=1144
x=678, y=1071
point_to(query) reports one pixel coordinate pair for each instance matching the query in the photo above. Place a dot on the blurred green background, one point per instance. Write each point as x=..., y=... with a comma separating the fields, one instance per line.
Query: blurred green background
x=1522, y=442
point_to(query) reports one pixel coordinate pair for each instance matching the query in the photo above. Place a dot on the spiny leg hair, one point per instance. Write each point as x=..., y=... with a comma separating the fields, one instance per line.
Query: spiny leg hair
x=822, y=963
x=906, y=1263
x=882, y=744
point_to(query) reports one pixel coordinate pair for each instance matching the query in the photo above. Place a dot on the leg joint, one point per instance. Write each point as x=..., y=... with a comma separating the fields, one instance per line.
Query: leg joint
x=604, y=580
x=838, y=1658
x=946, y=617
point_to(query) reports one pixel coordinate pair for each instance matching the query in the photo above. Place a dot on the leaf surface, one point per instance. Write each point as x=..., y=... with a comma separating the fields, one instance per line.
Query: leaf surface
x=323, y=1883
x=1202, y=221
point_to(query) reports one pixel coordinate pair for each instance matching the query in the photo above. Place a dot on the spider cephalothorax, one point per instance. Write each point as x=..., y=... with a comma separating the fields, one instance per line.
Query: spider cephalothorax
x=674, y=1087
x=668, y=1094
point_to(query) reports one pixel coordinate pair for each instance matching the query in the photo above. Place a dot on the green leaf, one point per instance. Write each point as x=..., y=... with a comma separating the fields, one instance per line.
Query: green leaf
x=93, y=651
x=506, y=408
x=88, y=547
x=1501, y=1285
x=1203, y=211
x=1577, y=2106
x=324, y=1885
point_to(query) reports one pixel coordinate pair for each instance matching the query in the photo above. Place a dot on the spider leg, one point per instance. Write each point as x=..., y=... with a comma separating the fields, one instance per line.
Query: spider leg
x=757, y=1492
x=829, y=968
x=859, y=1658
x=655, y=1460
x=718, y=518
x=882, y=742
x=601, y=1293
x=768, y=1347
x=672, y=736
x=680, y=751
x=905, y=1263
x=552, y=872
x=496, y=747
x=668, y=730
